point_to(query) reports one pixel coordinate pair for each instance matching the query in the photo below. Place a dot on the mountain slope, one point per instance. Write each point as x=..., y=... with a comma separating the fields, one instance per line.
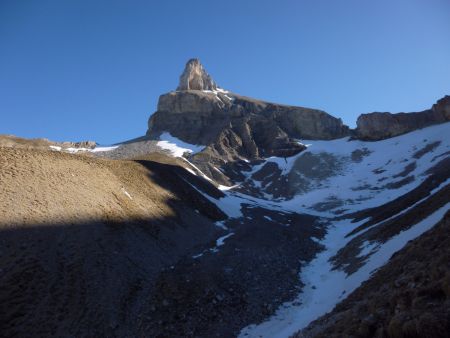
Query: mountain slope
x=365, y=230
x=369, y=196
x=232, y=216
x=128, y=247
x=83, y=240
x=408, y=297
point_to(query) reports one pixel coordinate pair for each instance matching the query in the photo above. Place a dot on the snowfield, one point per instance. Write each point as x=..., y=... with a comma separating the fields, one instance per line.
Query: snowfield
x=381, y=172
x=325, y=287
x=361, y=185
x=76, y=150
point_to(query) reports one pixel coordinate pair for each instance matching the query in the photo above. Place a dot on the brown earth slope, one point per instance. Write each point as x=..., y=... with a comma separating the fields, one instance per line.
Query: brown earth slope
x=92, y=247
x=83, y=239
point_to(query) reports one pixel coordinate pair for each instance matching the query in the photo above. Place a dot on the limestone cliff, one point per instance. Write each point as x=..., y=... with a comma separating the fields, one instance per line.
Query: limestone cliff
x=234, y=126
x=378, y=126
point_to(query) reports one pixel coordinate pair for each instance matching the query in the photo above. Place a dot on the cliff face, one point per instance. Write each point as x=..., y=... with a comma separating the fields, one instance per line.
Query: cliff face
x=235, y=126
x=378, y=126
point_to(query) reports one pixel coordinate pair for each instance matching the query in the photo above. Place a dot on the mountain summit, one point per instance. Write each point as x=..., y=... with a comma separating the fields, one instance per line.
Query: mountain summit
x=195, y=77
x=233, y=128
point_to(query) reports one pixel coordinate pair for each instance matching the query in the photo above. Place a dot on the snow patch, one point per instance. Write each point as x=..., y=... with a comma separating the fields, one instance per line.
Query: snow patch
x=177, y=147
x=221, y=241
x=126, y=193
x=101, y=149
x=226, y=188
x=74, y=150
x=325, y=287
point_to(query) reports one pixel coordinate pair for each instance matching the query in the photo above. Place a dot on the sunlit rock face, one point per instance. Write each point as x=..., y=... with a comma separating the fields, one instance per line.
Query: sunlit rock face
x=378, y=126
x=194, y=77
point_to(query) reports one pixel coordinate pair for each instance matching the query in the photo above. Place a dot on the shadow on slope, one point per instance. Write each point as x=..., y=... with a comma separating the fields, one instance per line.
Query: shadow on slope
x=91, y=259
x=408, y=297
x=91, y=278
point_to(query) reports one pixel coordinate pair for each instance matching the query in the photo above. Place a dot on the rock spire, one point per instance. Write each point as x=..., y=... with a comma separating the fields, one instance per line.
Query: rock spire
x=195, y=77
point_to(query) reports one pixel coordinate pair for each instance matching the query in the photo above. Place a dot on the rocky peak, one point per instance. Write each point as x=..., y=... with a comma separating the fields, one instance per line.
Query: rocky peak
x=195, y=77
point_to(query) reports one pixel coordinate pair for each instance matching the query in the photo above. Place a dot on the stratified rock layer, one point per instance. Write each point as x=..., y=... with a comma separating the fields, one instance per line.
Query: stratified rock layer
x=234, y=127
x=250, y=128
x=378, y=126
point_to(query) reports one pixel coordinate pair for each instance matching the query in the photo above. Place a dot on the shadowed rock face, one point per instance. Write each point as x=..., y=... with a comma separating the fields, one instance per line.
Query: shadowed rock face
x=233, y=126
x=378, y=126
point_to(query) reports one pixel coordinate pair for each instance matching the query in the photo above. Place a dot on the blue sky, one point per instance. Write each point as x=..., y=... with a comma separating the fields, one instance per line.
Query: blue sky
x=78, y=70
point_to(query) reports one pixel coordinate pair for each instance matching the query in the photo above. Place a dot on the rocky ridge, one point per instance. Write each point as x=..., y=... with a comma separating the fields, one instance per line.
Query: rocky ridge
x=378, y=126
x=43, y=143
x=234, y=128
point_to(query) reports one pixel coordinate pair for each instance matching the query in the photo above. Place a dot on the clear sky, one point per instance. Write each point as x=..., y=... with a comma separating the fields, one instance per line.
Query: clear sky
x=78, y=70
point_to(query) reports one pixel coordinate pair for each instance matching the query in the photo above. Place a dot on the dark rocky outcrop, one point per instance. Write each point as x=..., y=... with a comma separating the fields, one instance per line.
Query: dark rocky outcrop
x=200, y=117
x=378, y=126
x=235, y=128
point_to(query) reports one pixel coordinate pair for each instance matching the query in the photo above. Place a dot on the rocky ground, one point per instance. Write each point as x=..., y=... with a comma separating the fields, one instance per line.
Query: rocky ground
x=408, y=297
x=98, y=247
x=218, y=293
